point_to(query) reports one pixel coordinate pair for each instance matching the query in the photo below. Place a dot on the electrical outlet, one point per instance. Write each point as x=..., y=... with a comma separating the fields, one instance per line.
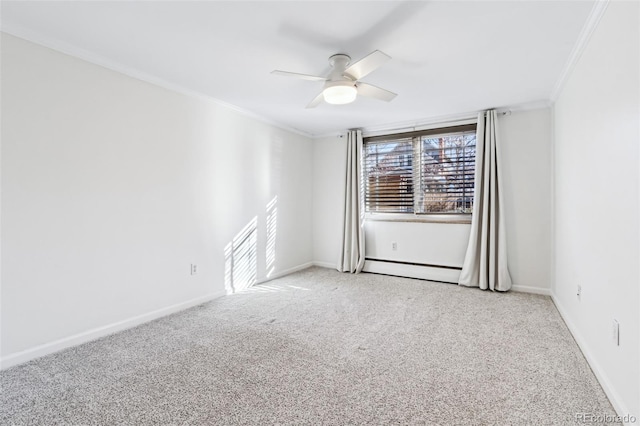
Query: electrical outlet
x=194, y=269
x=394, y=246
x=615, y=329
x=579, y=292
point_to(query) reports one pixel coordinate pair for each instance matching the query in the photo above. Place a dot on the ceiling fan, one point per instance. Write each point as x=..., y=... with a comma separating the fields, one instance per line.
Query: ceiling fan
x=343, y=84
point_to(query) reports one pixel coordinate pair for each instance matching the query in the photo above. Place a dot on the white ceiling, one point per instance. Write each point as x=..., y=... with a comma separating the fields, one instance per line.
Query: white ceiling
x=449, y=57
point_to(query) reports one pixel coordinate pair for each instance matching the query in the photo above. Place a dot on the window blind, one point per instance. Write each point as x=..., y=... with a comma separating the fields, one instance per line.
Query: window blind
x=422, y=172
x=388, y=167
x=447, y=173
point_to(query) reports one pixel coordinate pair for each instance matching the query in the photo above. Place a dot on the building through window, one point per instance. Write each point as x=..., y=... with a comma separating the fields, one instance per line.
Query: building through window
x=425, y=172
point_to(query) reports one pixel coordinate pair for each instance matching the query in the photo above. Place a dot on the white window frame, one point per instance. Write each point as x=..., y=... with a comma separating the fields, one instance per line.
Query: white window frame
x=453, y=218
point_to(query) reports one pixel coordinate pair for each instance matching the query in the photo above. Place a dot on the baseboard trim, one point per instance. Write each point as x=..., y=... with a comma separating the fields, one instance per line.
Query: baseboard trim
x=450, y=278
x=285, y=272
x=423, y=272
x=325, y=264
x=531, y=290
x=613, y=396
x=96, y=333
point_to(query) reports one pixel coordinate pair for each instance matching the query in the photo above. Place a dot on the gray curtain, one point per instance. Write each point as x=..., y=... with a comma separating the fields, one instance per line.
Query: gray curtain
x=485, y=263
x=352, y=255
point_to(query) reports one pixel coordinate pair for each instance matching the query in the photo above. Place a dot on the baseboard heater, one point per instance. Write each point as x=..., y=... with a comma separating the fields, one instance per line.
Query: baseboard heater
x=425, y=271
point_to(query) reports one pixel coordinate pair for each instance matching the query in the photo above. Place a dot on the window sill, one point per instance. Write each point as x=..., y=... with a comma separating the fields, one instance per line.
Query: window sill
x=424, y=218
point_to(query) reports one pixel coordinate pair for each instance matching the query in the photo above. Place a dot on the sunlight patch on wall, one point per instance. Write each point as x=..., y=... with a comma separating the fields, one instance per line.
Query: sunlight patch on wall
x=240, y=259
x=272, y=225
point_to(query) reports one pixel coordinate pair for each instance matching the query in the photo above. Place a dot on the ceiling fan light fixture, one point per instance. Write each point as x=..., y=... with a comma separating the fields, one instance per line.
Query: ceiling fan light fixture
x=339, y=93
x=343, y=85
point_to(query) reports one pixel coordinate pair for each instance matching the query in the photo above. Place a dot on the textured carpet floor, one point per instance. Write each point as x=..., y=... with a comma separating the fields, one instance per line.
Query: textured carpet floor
x=320, y=347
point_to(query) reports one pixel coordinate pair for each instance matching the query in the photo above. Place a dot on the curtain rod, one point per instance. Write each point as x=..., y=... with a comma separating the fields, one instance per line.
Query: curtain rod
x=429, y=124
x=460, y=119
x=506, y=112
x=419, y=125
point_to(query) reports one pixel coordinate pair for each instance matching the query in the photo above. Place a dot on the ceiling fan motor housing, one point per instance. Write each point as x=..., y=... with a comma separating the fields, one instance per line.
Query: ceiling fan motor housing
x=339, y=62
x=339, y=88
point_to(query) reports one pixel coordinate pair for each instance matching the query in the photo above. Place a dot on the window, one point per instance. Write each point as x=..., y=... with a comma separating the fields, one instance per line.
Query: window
x=420, y=172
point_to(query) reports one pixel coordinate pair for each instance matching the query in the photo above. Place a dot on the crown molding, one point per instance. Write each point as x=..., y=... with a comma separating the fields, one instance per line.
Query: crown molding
x=76, y=52
x=589, y=27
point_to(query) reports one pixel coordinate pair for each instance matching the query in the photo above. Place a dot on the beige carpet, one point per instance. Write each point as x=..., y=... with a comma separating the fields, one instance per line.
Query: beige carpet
x=321, y=347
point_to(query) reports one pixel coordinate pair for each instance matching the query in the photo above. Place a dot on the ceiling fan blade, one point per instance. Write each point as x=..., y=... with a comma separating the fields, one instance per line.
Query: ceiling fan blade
x=298, y=75
x=367, y=64
x=372, y=91
x=316, y=101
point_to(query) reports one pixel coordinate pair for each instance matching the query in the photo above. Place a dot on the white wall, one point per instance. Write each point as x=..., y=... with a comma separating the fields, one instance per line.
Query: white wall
x=596, y=202
x=329, y=162
x=526, y=142
x=417, y=242
x=527, y=170
x=112, y=187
